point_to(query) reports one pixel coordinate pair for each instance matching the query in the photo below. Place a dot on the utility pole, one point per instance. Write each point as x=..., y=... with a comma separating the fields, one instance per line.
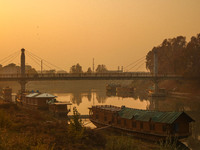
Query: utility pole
x=41, y=66
x=93, y=65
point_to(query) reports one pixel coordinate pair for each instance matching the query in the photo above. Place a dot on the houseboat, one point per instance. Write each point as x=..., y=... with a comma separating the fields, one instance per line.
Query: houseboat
x=59, y=109
x=44, y=101
x=37, y=100
x=7, y=94
x=145, y=124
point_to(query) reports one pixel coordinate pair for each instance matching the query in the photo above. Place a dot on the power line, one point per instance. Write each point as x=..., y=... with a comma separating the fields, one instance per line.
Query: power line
x=13, y=59
x=138, y=63
x=135, y=61
x=9, y=56
x=140, y=66
x=35, y=59
x=46, y=61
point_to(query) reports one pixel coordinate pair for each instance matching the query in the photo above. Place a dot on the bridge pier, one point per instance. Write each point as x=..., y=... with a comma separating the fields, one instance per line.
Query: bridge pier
x=156, y=92
x=23, y=71
x=156, y=88
x=23, y=86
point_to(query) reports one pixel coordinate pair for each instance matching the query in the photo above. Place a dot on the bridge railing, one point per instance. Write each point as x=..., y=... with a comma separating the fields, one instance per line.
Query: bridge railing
x=106, y=74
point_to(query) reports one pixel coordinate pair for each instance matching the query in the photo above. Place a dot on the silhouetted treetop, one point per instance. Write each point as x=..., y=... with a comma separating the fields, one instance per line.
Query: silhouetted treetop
x=76, y=68
x=101, y=68
x=176, y=56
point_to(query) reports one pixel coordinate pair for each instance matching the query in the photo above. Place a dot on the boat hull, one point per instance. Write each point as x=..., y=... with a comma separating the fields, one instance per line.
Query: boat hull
x=136, y=134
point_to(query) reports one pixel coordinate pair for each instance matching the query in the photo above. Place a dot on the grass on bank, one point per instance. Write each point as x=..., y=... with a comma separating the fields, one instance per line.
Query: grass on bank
x=24, y=129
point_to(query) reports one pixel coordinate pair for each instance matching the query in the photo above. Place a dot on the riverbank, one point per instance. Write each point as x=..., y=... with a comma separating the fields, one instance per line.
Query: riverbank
x=182, y=89
x=32, y=129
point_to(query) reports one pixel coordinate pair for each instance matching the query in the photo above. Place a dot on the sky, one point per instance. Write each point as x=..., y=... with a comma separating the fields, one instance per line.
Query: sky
x=113, y=32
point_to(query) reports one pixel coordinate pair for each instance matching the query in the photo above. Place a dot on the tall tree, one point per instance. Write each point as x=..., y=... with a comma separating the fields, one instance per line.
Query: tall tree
x=101, y=68
x=193, y=56
x=170, y=56
x=76, y=68
x=89, y=70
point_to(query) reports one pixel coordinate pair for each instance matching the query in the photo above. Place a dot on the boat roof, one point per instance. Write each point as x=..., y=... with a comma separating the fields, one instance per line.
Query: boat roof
x=155, y=116
x=32, y=94
x=144, y=115
x=40, y=95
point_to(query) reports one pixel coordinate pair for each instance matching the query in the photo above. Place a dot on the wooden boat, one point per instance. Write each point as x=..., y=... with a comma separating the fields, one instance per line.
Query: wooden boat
x=44, y=101
x=7, y=94
x=151, y=125
x=59, y=109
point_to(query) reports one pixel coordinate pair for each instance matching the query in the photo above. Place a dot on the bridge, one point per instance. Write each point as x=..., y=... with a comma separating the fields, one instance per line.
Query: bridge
x=93, y=76
x=24, y=77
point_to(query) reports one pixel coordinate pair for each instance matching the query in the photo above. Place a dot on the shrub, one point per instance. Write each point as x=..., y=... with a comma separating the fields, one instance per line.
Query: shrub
x=5, y=121
x=120, y=143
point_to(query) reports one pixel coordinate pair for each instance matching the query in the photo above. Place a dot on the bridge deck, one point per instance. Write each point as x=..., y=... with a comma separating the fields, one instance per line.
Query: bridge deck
x=92, y=76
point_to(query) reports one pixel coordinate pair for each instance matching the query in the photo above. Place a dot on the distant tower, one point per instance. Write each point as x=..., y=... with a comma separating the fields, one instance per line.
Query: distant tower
x=22, y=62
x=93, y=65
x=22, y=81
x=122, y=68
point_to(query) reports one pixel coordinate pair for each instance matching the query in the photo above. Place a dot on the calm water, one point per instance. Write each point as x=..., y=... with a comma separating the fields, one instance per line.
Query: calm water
x=84, y=94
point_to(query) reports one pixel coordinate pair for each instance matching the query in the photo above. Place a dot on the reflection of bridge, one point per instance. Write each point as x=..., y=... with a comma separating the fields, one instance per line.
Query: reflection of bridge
x=23, y=78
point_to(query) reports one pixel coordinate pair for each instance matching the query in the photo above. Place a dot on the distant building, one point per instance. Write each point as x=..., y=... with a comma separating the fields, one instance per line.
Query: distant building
x=114, y=71
x=10, y=69
x=48, y=71
x=61, y=71
x=14, y=69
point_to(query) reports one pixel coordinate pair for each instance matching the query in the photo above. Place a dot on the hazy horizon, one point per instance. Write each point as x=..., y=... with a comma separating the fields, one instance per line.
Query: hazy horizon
x=114, y=32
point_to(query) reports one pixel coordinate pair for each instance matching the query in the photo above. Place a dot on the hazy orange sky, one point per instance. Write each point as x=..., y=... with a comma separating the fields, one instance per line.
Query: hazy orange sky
x=114, y=32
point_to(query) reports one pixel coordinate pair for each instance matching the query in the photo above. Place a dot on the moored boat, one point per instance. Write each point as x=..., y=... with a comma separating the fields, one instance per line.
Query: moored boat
x=44, y=101
x=152, y=125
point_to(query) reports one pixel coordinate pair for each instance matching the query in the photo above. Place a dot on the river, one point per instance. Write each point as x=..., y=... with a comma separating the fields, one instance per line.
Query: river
x=84, y=94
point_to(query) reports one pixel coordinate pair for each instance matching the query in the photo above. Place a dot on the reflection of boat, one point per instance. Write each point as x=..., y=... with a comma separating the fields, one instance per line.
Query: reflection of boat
x=160, y=93
x=110, y=93
x=112, y=87
x=119, y=90
x=125, y=91
x=153, y=125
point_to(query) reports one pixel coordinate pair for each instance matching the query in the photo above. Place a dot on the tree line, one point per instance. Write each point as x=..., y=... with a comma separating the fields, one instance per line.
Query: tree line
x=78, y=69
x=14, y=69
x=176, y=56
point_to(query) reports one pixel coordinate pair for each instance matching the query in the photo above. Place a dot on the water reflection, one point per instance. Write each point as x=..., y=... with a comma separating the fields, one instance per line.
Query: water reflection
x=141, y=101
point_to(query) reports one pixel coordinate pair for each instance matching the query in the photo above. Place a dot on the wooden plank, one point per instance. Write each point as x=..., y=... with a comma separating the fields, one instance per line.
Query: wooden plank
x=96, y=129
